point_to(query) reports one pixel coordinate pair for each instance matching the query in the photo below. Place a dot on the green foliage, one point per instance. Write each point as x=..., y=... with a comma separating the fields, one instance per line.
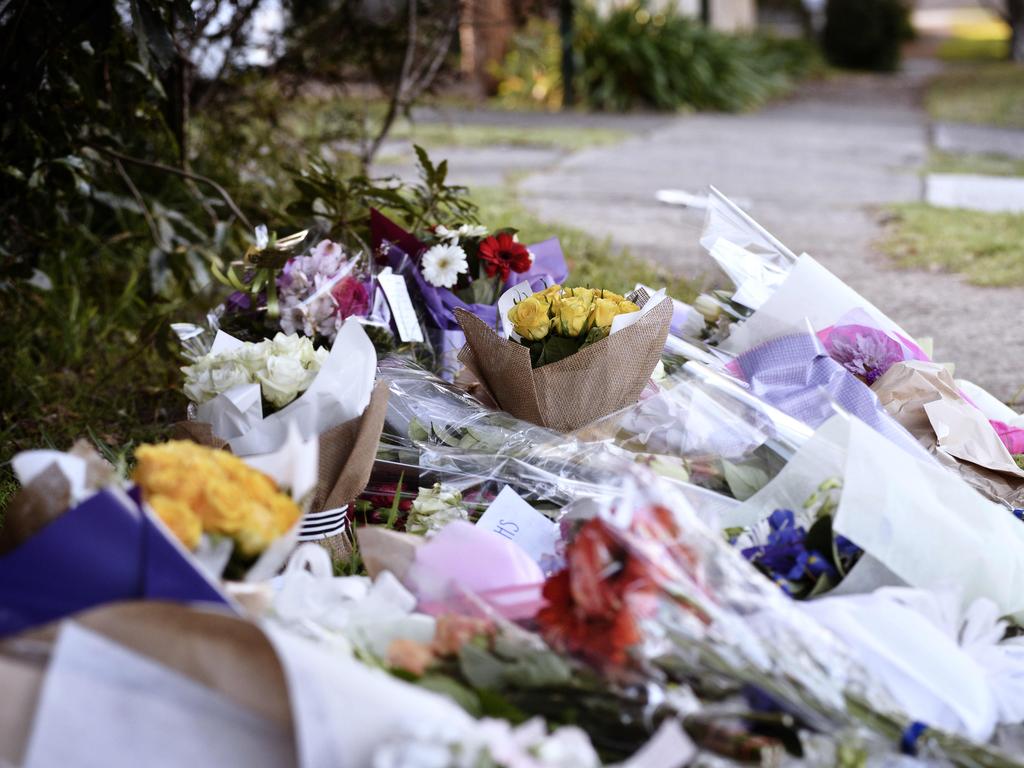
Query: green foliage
x=866, y=34
x=662, y=60
x=342, y=205
x=532, y=69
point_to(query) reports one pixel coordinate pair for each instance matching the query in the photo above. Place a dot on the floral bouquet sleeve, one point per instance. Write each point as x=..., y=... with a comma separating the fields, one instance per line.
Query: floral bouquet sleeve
x=466, y=268
x=571, y=355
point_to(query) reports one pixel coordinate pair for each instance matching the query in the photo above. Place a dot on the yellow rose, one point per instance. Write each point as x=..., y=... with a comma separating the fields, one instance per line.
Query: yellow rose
x=530, y=318
x=195, y=489
x=572, y=316
x=625, y=307
x=180, y=519
x=587, y=294
x=550, y=291
x=617, y=298
x=603, y=313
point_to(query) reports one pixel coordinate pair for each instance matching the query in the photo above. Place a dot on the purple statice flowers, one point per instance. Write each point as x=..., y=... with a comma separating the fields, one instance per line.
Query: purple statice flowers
x=865, y=352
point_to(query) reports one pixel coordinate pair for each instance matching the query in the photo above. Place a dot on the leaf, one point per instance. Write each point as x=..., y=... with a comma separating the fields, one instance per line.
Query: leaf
x=744, y=480
x=552, y=349
x=481, y=668
x=483, y=290
x=454, y=690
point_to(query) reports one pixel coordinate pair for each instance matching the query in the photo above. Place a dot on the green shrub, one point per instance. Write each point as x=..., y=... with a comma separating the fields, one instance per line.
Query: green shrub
x=866, y=34
x=662, y=60
x=532, y=70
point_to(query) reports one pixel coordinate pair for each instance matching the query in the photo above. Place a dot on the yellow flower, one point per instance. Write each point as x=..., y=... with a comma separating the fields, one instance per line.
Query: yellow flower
x=587, y=294
x=195, y=489
x=550, y=291
x=530, y=318
x=603, y=313
x=625, y=307
x=180, y=519
x=572, y=316
x=613, y=296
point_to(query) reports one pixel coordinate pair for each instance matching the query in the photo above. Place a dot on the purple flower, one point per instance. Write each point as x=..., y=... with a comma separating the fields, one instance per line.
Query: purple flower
x=785, y=558
x=865, y=352
x=238, y=302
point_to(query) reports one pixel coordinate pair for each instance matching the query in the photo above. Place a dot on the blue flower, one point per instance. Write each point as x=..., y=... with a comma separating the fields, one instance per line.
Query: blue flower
x=786, y=559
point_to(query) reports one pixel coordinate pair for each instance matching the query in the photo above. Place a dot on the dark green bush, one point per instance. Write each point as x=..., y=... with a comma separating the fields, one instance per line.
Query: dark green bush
x=866, y=34
x=661, y=60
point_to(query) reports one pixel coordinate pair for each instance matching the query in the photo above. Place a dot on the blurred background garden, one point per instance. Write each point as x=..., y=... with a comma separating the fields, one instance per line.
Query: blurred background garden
x=143, y=141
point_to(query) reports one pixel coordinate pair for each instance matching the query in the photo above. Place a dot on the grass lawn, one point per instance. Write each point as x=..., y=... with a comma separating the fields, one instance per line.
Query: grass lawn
x=431, y=135
x=989, y=94
x=592, y=261
x=986, y=165
x=987, y=248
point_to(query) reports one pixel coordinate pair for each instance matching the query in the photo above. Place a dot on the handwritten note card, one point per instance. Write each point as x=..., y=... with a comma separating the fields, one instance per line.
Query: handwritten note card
x=512, y=518
x=397, y=293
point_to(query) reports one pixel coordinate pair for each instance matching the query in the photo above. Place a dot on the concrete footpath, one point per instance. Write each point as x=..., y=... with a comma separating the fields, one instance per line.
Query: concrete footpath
x=816, y=168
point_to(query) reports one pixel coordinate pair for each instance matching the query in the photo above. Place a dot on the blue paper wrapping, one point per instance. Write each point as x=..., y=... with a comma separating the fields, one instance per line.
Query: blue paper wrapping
x=104, y=550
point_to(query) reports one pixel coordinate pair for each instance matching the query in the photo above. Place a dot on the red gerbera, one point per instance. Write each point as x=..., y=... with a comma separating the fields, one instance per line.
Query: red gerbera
x=501, y=254
x=594, y=606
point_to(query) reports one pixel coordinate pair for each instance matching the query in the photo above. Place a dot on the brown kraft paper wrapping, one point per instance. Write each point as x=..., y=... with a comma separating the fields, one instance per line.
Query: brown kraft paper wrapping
x=213, y=648
x=599, y=379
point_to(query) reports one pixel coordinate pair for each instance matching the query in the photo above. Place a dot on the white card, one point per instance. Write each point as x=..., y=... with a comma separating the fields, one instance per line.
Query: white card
x=397, y=294
x=511, y=517
x=621, y=322
x=506, y=301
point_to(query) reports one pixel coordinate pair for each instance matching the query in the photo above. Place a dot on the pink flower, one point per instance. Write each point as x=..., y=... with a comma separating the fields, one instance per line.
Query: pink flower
x=351, y=297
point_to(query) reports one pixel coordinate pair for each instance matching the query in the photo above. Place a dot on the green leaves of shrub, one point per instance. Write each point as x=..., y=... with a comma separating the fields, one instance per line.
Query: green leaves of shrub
x=637, y=58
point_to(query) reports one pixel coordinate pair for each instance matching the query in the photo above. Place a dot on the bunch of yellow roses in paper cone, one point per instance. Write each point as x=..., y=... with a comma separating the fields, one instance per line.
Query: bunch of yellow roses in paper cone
x=196, y=490
x=558, y=322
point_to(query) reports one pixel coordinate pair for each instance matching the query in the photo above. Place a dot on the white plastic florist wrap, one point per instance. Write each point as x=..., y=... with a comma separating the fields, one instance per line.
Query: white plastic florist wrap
x=917, y=523
x=340, y=392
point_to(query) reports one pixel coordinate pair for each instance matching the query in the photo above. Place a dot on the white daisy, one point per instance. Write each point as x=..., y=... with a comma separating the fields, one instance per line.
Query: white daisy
x=443, y=264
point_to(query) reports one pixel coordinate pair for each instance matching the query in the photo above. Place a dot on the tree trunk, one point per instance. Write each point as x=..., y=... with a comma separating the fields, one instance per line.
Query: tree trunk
x=1015, y=12
x=485, y=33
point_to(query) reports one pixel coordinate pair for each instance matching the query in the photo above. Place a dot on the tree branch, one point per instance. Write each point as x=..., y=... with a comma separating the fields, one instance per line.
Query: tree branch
x=397, y=99
x=150, y=222
x=179, y=172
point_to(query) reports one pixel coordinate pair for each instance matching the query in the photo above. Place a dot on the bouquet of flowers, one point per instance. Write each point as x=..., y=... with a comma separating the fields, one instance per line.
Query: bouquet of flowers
x=196, y=490
x=284, y=367
x=558, y=322
x=192, y=516
x=288, y=285
x=546, y=374
x=463, y=267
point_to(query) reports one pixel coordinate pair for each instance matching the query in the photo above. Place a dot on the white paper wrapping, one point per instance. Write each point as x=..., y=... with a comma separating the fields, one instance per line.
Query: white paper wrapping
x=343, y=709
x=340, y=392
x=809, y=294
x=105, y=706
x=922, y=523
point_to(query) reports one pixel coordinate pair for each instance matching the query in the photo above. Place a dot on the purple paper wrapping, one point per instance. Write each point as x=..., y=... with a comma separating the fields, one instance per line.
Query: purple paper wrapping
x=794, y=374
x=548, y=267
x=104, y=550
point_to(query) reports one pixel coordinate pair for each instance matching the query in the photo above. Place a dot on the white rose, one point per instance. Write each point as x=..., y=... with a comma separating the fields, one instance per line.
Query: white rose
x=287, y=345
x=284, y=379
x=198, y=385
x=252, y=355
x=206, y=380
x=229, y=374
